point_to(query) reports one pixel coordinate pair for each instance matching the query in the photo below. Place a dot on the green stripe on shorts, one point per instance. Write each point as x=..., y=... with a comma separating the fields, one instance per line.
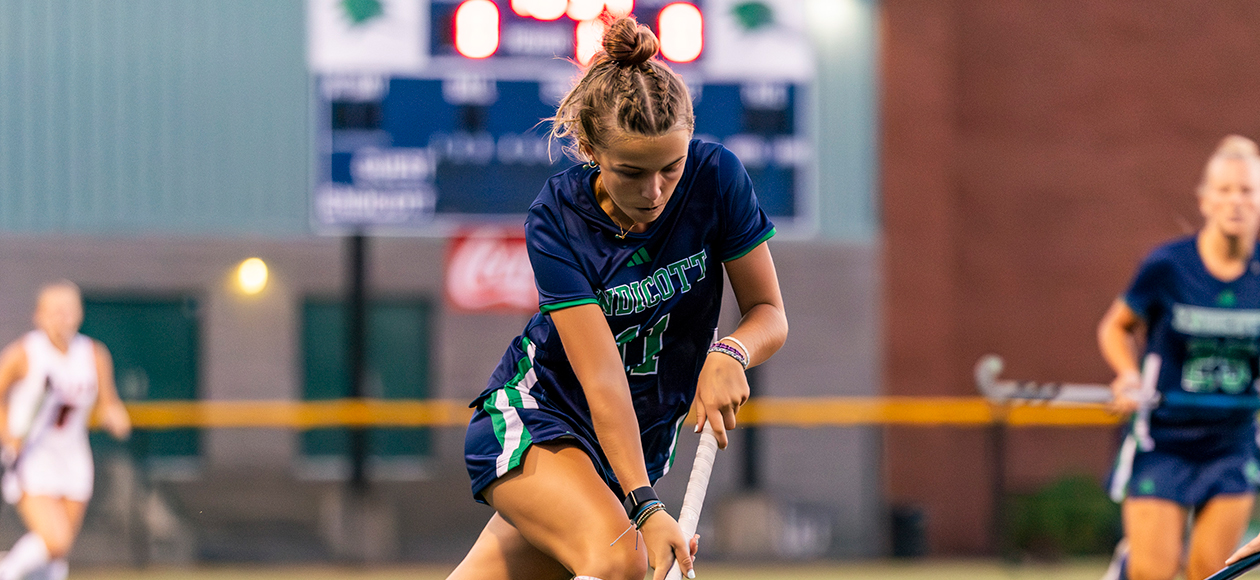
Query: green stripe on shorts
x=496, y=418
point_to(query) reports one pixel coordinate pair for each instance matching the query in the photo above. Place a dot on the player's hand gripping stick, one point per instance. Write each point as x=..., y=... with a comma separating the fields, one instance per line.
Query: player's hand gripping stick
x=1238, y=568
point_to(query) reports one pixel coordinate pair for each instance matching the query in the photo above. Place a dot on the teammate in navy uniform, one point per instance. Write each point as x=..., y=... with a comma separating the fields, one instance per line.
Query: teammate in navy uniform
x=628, y=253
x=1197, y=300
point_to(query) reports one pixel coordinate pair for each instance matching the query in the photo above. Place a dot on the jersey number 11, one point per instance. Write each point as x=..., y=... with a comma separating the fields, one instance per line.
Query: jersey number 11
x=651, y=346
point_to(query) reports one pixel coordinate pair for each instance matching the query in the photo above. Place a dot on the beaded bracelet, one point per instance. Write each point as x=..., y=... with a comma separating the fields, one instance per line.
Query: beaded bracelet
x=740, y=344
x=643, y=508
x=639, y=518
x=647, y=511
x=638, y=508
x=730, y=351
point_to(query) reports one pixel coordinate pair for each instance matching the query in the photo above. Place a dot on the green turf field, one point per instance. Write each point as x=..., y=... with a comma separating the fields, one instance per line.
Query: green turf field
x=925, y=570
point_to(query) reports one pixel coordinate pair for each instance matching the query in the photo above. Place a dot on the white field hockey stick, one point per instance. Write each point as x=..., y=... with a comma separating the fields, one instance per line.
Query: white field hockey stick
x=1007, y=391
x=1147, y=399
x=1148, y=396
x=1003, y=391
x=34, y=428
x=697, y=485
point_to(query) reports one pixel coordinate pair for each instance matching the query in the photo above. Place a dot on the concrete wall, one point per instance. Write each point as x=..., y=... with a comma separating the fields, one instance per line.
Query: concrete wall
x=1032, y=152
x=161, y=116
x=248, y=499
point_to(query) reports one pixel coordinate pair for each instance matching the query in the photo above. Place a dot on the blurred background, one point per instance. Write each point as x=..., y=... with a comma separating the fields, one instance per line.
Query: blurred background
x=949, y=178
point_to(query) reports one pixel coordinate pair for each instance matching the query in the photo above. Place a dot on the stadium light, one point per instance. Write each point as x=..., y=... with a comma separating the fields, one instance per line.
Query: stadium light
x=477, y=28
x=251, y=275
x=681, y=29
x=835, y=21
x=580, y=10
x=620, y=7
x=588, y=37
x=521, y=8
x=547, y=9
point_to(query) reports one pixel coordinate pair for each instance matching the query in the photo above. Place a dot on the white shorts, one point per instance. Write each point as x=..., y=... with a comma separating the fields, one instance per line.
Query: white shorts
x=54, y=471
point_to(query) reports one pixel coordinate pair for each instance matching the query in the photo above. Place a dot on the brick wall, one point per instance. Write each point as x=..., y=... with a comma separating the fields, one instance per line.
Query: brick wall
x=1032, y=152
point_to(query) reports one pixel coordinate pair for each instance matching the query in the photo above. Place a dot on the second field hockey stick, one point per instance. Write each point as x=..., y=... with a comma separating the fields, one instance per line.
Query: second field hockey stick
x=697, y=486
x=1238, y=568
x=1001, y=391
x=1148, y=396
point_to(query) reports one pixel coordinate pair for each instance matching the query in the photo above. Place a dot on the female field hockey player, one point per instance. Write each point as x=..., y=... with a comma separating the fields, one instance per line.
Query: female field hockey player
x=585, y=407
x=1195, y=303
x=51, y=381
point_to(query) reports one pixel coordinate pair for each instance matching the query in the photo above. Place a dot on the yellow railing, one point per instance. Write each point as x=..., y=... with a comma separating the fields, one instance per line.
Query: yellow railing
x=845, y=411
x=763, y=411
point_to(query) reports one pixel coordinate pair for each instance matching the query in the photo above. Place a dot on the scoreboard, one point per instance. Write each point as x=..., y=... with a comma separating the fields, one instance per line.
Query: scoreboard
x=444, y=128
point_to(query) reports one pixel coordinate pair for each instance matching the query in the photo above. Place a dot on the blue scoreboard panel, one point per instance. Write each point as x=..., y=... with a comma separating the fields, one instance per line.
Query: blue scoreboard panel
x=462, y=141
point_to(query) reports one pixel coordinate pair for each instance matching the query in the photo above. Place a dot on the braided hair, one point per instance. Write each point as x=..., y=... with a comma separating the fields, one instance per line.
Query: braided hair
x=625, y=89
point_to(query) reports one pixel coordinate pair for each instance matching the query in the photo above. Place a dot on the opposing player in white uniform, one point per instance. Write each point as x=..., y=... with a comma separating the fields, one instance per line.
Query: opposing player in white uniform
x=51, y=381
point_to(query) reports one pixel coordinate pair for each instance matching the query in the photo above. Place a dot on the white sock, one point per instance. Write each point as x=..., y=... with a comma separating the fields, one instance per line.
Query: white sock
x=58, y=569
x=28, y=554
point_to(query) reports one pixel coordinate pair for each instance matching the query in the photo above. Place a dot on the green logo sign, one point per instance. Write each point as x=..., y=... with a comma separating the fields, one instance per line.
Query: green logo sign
x=753, y=15
x=360, y=11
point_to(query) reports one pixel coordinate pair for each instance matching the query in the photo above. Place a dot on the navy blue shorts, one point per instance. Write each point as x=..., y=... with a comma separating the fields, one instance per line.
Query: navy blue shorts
x=1185, y=478
x=512, y=417
x=502, y=430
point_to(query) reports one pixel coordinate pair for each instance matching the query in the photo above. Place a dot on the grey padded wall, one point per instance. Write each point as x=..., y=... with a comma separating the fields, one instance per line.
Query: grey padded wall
x=153, y=117
x=846, y=45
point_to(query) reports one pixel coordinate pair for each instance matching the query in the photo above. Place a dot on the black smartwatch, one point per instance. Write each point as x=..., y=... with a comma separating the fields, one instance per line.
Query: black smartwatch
x=640, y=496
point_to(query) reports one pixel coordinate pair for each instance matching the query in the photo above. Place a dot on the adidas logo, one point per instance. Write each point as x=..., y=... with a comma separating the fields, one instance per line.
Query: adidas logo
x=639, y=257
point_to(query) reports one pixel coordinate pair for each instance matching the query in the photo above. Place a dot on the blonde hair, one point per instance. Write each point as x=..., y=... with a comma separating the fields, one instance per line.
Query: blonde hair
x=1237, y=146
x=55, y=285
x=626, y=89
x=1233, y=148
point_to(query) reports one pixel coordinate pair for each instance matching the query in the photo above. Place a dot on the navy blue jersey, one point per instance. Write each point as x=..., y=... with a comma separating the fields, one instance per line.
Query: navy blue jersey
x=1207, y=333
x=660, y=291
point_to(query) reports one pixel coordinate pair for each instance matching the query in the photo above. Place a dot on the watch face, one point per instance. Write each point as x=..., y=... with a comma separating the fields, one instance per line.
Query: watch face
x=641, y=495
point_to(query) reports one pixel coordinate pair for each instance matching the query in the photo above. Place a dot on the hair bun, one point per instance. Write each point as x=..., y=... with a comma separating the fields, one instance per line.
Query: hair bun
x=629, y=43
x=1237, y=145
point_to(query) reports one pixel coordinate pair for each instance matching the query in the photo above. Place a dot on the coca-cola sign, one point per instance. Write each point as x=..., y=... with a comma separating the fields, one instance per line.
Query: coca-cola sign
x=487, y=269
